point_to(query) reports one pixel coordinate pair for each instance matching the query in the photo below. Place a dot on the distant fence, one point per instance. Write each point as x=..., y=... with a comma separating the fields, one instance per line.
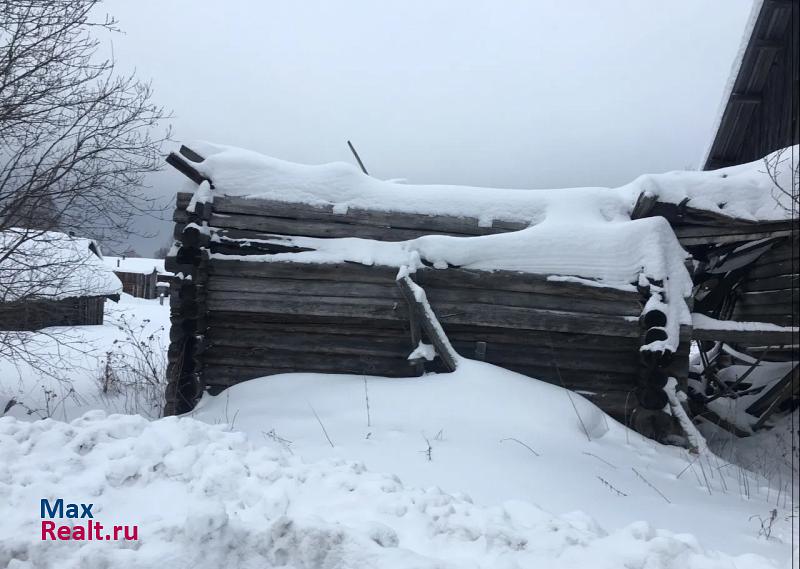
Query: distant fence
x=38, y=314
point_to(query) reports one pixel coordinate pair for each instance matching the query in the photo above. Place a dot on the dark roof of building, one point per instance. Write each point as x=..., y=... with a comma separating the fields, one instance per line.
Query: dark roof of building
x=775, y=29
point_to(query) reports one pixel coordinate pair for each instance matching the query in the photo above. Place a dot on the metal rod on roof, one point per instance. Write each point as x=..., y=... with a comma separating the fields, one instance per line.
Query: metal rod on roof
x=358, y=158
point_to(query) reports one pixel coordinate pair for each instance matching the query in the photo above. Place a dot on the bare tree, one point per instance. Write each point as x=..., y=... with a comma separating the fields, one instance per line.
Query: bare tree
x=783, y=168
x=76, y=137
x=76, y=141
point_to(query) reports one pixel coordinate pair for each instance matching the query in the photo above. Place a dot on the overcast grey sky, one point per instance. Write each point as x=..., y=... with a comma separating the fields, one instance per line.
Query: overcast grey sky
x=523, y=94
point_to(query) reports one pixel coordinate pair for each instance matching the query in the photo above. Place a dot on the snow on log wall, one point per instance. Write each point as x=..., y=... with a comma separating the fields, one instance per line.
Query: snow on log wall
x=239, y=314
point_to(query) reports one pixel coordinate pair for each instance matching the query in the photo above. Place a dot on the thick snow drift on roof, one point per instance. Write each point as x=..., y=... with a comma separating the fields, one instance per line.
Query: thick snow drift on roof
x=53, y=266
x=135, y=265
x=746, y=190
x=204, y=497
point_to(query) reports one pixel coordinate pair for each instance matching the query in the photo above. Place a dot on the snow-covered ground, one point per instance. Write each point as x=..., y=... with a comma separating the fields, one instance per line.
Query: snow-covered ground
x=487, y=469
x=63, y=374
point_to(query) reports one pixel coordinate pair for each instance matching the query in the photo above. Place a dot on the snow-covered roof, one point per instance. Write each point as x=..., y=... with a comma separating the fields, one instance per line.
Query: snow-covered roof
x=583, y=233
x=135, y=265
x=53, y=266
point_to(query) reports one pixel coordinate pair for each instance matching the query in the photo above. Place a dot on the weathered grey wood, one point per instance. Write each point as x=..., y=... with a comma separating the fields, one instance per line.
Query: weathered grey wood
x=331, y=363
x=543, y=357
x=313, y=228
x=319, y=306
x=767, y=338
x=312, y=343
x=362, y=217
x=788, y=267
x=630, y=307
x=521, y=282
x=472, y=332
x=298, y=287
x=267, y=322
x=787, y=385
x=753, y=235
x=644, y=205
x=225, y=375
x=783, y=282
x=769, y=297
x=302, y=271
x=429, y=323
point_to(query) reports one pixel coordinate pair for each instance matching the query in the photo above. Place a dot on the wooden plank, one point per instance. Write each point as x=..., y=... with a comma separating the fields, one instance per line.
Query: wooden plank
x=520, y=337
x=786, y=283
x=330, y=363
x=778, y=297
x=315, y=343
x=788, y=267
x=428, y=322
x=312, y=228
x=302, y=271
x=454, y=277
x=545, y=357
x=732, y=237
x=319, y=306
x=297, y=287
x=427, y=223
x=628, y=307
x=788, y=382
x=267, y=323
x=766, y=338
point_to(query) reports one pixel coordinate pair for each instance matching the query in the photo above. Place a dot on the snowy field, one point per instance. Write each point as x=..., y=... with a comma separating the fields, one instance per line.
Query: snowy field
x=479, y=468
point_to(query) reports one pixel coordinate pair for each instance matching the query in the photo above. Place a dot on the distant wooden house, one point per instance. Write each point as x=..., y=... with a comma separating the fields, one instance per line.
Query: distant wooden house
x=52, y=279
x=140, y=276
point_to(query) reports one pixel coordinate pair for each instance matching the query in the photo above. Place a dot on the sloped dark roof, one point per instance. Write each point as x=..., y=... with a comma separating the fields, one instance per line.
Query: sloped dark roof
x=760, y=115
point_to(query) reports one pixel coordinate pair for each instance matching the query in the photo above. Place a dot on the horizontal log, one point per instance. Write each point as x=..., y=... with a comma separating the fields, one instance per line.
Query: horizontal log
x=307, y=287
x=730, y=229
x=783, y=318
x=762, y=337
x=334, y=325
x=572, y=303
x=521, y=282
x=320, y=306
x=224, y=375
x=283, y=359
x=297, y=287
x=359, y=216
x=354, y=272
x=477, y=314
x=539, y=337
x=765, y=270
x=769, y=297
x=312, y=228
x=783, y=282
x=536, y=356
x=309, y=343
x=731, y=238
x=786, y=307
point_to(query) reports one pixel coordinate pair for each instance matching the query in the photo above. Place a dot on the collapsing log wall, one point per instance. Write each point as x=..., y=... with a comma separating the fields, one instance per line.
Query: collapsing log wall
x=243, y=315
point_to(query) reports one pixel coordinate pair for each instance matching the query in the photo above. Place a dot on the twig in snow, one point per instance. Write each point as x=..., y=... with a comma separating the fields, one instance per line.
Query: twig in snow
x=428, y=452
x=285, y=443
x=569, y=395
x=646, y=481
x=599, y=458
x=520, y=442
x=366, y=400
x=611, y=487
x=330, y=442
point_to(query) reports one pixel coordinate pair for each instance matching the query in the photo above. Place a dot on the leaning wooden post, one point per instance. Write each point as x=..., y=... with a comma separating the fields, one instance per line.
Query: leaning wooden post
x=419, y=307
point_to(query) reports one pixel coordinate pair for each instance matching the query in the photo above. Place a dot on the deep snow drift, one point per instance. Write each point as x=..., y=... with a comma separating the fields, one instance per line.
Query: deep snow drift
x=502, y=436
x=205, y=498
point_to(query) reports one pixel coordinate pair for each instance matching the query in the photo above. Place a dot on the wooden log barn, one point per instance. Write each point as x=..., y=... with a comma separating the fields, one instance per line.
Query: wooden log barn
x=53, y=279
x=283, y=268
